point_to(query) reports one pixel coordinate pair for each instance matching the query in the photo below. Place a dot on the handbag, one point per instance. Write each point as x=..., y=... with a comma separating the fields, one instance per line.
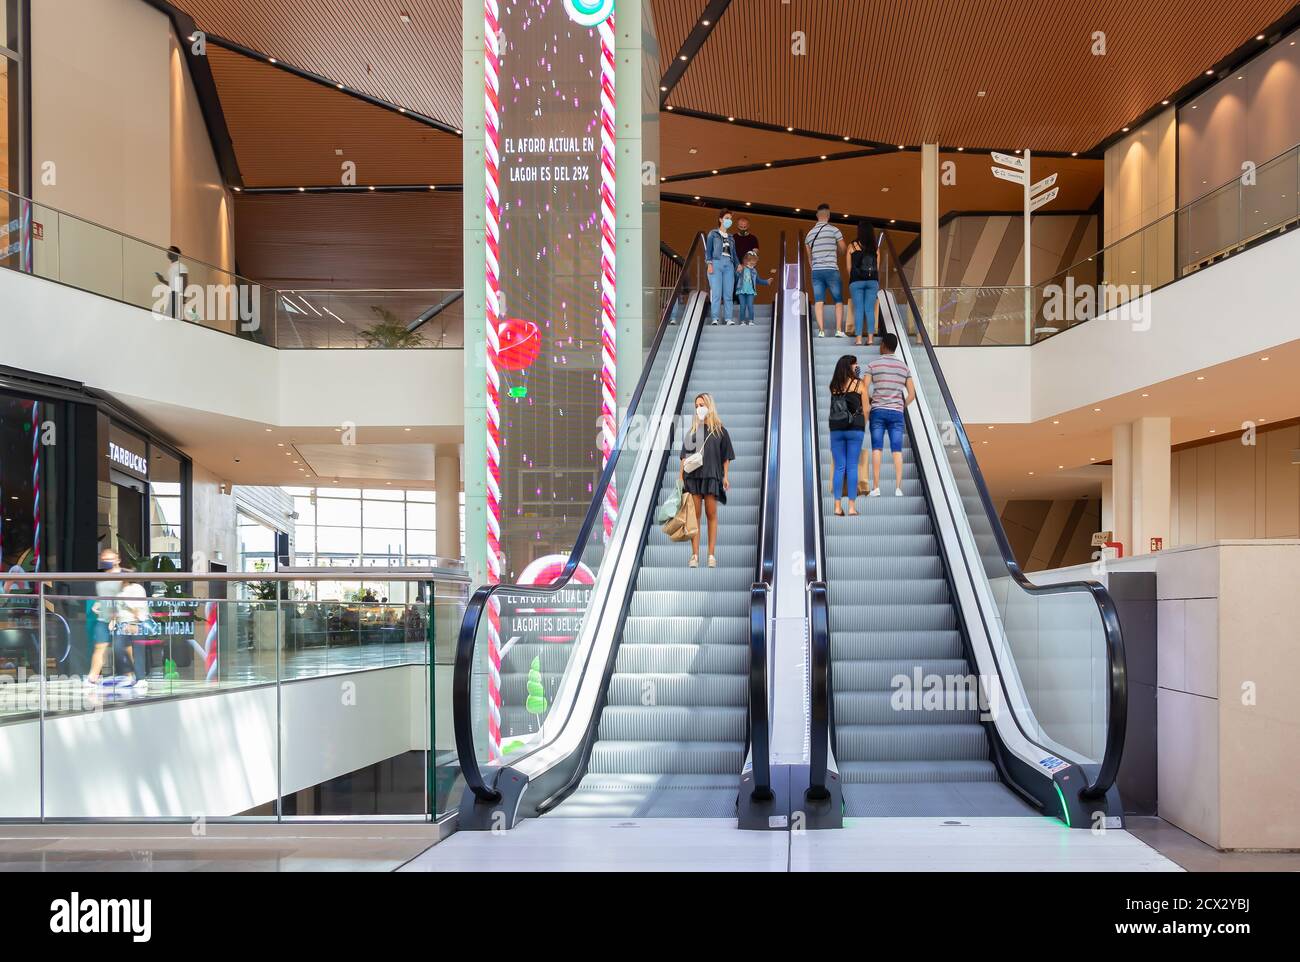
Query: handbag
x=683, y=525
x=693, y=462
x=671, y=505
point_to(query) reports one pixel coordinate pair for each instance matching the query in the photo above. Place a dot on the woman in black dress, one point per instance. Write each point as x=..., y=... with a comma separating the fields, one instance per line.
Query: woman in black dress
x=707, y=484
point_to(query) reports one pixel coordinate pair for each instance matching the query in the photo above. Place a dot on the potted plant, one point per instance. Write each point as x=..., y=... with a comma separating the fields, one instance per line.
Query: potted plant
x=389, y=331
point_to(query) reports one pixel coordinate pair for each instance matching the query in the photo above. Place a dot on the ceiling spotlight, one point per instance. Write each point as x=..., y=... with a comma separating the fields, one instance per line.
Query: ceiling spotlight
x=669, y=107
x=704, y=22
x=683, y=57
x=302, y=190
x=893, y=220
x=1260, y=37
x=697, y=196
x=339, y=86
x=1209, y=73
x=404, y=17
x=846, y=138
x=1164, y=103
x=901, y=147
x=713, y=172
x=768, y=164
x=1096, y=410
x=960, y=149
x=980, y=94
x=731, y=120
x=1124, y=129
x=1074, y=153
x=823, y=156
x=1264, y=358
x=433, y=186
x=789, y=130
x=273, y=60
x=664, y=89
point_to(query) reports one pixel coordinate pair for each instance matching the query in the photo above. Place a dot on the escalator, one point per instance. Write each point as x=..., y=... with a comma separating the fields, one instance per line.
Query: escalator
x=647, y=710
x=944, y=682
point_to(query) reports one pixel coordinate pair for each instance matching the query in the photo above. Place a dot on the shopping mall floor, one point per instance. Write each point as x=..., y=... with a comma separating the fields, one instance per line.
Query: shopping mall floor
x=558, y=844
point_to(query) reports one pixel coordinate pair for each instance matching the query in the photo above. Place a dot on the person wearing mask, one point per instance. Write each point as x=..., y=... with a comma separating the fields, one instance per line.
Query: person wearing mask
x=745, y=241
x=706, y=458
x=825, y=245
x=864, y=281
x=892, y=390
x=747, y=286
x=108, y=613
x=847, y=431
x=724, y=265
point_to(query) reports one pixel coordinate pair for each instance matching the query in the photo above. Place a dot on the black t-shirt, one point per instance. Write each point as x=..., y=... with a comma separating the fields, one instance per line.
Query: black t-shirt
x=717, y=450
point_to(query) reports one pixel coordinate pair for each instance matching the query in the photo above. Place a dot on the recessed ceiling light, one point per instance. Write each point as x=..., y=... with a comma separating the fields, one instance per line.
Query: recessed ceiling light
x=1031, y=474
x=683, y=57
x=704, y=22
x=694, y=150
x=697, y=196
x=731, y=119
x=1146, y=395
x=884, y=190
x=404, y=17
x=713, y=172
x=893, y=220
x=991, y=427
x=1200, y=377
x=1209, y=73
x=664, y=89
x=981, y=93
x=1060, y=467
x=1074, y=153
x=789, y=130
x=960, y=149
x=1096, y=410
x=768, y=164
x=433, y=186
x=846, y=138
x=302, y=190
x=1260, y=37
x=1124, y=130
x=747, y=203
x=1164, y=103
x=339, y=86
x=1056, y=422
x=1264, y=358
x=273, y=60
x=669, y=107
x=268, y=430
x=823, y=156
x=901, y=147
x=1213, y=431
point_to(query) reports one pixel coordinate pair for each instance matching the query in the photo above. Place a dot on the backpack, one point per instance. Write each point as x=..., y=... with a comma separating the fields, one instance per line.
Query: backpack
x=841, y=419
x=864, y=265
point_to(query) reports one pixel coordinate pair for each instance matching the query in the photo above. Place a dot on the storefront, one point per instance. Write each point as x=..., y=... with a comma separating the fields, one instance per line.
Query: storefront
x=78, y=474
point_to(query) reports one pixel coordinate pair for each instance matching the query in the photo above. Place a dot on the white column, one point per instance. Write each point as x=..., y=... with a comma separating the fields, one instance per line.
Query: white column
x=1149, y=515
x=1121, y=481
x=446, y=486
x=930, y=234
x=1140, y=484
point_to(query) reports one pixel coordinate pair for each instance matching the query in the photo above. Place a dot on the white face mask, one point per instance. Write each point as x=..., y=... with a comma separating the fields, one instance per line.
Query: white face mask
x=701, y=412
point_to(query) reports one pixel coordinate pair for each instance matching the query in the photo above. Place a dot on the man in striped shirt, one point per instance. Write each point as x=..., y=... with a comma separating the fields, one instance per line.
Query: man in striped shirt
x=825, y=245
x=892, y=390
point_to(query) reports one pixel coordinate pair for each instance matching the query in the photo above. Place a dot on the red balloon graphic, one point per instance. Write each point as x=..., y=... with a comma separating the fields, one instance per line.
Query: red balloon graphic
x=519, y=343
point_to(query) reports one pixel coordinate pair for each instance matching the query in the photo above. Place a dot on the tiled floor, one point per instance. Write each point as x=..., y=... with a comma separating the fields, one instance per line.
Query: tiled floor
x=572, y=844
x=611, y=845
x=223, y=848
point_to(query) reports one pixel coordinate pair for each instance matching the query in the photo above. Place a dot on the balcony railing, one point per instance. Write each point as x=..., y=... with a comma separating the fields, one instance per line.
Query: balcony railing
x=46, y=242
x=75, y=647
x=1261, y=204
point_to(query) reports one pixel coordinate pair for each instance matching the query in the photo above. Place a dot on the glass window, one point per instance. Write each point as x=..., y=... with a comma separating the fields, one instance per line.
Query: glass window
x=334, y=511
x=28, y=432
x=166, y=508
x=383, y=514
x=421, y=516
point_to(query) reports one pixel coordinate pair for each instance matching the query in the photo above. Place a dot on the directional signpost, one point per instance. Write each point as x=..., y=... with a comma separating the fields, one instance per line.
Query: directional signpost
x=1018, y=170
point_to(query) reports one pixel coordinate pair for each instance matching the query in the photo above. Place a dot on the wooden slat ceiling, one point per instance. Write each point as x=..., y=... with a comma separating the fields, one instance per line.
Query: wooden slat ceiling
x=727, y=145
x=286, y=130
x=857, y=185
x=361, y=43
x=909, y=71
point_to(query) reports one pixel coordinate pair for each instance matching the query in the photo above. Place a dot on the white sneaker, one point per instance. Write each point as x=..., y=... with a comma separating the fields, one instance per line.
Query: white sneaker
x=821, y=333
x=713, y=323
x=840, y=334
x=873, y=493
x=731, y=323
x=694, y=562
x=898, y=492
x=713, y=562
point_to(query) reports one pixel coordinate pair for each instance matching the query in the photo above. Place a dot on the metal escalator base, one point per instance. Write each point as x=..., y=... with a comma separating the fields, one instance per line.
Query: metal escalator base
x=652, y=796
x=934, y=799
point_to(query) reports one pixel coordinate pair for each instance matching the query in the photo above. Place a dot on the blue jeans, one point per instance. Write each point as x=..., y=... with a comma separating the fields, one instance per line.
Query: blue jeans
x=864, y=305
x=882, y=420
x=746, y=307
x=846, y=448
x=827, y=280
x=722, y=284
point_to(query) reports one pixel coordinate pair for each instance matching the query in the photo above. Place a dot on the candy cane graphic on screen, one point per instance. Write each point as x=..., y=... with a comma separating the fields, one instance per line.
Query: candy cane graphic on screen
x=609, y=330
x=492, y=160
x=36, y=486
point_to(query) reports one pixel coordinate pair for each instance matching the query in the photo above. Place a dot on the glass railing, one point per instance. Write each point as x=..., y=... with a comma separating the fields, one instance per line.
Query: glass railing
x=518, y=666
x=1058, y=648
x=118, y=704
x=1262, y=203
x=46, y=242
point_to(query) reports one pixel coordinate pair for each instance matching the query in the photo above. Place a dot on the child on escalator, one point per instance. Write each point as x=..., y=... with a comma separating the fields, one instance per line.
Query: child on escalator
x=747, y=286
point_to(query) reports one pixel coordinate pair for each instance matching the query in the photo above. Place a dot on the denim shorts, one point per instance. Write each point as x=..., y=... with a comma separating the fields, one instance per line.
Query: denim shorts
x=882, y=419
x=827, y=279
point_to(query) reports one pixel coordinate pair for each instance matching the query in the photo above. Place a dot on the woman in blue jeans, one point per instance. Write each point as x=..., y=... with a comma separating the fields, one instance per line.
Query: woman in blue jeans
x=724, y=265
x=864, y=280
x=848, y=427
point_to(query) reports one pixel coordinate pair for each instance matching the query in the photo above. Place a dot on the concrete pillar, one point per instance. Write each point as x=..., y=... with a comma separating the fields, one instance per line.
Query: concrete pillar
x=1121, y=483
x=1151, y=483
x=1140, y=484
x=446, y=482
x=929, y=235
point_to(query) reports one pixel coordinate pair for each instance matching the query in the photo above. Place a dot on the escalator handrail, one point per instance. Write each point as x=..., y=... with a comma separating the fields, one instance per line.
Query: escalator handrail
x=821, y=714
x=462, y=669
x=760, y=591
x=1117, y=675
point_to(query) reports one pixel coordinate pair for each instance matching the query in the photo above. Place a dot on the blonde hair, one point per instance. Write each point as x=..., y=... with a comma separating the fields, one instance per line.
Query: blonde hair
x=711, y=420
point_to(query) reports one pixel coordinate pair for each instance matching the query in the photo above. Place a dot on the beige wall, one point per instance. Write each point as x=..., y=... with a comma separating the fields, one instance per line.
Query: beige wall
x=1249, y=119
x=1234, y=490
x=202, y=213
x=115, y=114
x=213, y=519
x=1140, y=188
